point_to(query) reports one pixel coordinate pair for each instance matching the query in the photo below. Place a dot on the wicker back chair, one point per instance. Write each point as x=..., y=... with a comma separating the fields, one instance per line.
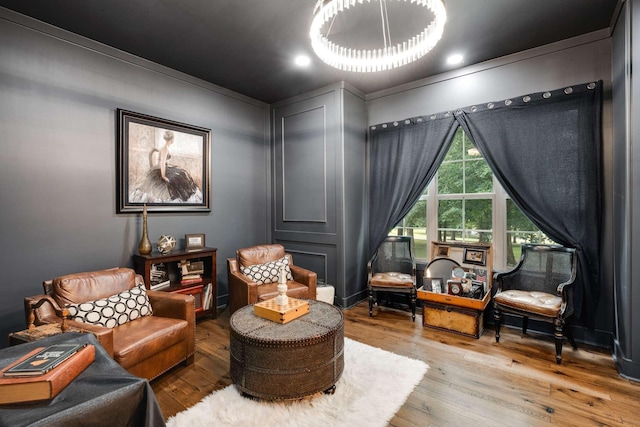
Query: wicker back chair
x=539, y=287
x=392, y=269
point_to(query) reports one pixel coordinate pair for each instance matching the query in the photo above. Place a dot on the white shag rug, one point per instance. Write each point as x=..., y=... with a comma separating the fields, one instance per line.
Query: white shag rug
x=374, y=385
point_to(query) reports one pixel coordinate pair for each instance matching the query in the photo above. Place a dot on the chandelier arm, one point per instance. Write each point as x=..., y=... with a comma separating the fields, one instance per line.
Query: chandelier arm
x=382, y=24
x=385, y=16
x=331, y=25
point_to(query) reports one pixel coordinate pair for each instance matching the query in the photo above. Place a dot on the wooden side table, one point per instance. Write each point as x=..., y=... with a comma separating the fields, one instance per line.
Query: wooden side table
x=207, y=305
x=42, y=331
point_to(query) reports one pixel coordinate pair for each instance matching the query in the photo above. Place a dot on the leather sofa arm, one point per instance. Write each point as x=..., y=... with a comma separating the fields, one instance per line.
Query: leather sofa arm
x=245, y=291
x=46, y=314
x=176, y=306
x=306, y=277
x=104, y=335
x=172, y=305
x=44, y=311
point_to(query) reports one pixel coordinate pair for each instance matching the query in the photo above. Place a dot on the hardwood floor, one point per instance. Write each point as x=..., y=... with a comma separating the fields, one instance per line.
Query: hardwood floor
x=469, y=382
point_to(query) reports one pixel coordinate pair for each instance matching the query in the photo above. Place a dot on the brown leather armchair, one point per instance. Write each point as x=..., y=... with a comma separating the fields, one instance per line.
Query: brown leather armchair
x=244, y=291
x=146, y=346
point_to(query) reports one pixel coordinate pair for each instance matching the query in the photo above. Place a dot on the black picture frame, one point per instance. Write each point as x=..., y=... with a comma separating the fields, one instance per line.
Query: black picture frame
x=163, y=164
x=475, y=256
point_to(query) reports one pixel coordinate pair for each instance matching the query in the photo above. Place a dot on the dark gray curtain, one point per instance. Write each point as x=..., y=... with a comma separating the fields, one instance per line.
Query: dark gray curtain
x=403, y=157
x=545, y=149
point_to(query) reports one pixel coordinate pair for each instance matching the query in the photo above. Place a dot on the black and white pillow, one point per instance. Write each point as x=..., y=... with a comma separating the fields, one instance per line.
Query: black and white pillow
x=268, y=272
x=114, y=310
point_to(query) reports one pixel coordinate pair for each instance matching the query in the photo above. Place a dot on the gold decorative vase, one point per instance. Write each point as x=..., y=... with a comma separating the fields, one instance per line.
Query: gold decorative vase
x=144, y=247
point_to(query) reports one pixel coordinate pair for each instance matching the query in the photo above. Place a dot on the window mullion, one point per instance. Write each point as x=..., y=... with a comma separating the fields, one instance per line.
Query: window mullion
x=499, y=225
x=432, y=213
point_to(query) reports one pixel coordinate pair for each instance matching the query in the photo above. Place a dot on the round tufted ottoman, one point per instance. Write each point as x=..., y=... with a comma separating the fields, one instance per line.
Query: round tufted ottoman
x=276, y=361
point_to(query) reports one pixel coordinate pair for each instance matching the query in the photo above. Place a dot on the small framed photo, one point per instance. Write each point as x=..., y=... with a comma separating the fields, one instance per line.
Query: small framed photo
x=436, y=286
x=481, y=274
x=193, y=242
x=475, y=256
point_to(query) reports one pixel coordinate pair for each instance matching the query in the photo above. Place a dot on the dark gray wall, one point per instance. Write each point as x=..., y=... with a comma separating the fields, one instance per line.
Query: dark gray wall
x=626, y=181
x=582, y=59
x=58, y=99
x=319, y=151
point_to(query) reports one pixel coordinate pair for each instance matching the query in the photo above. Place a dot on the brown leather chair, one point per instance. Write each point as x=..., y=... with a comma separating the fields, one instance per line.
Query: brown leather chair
x=146, y=346
x=244, y=290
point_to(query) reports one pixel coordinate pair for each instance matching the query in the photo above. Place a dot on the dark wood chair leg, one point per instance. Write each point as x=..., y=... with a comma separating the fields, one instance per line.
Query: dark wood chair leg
x=412, y=303
x=497, y=318
x=559, y=337
x=370, y=302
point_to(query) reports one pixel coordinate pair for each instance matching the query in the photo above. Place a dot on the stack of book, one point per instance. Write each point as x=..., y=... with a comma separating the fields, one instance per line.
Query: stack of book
x=190, y=279
x=159, y=277
x=44, y=372
x=191, y=272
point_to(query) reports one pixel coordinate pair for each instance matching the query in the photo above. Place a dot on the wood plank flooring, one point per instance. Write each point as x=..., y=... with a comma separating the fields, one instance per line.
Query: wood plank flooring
x=470, y=382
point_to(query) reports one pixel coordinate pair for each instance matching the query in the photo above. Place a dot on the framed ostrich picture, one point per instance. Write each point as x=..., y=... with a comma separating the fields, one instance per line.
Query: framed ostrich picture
x=163, y=164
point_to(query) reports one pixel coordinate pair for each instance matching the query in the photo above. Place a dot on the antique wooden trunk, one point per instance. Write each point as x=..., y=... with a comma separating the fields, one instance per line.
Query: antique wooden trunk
x=453, y=319
x=452, y=313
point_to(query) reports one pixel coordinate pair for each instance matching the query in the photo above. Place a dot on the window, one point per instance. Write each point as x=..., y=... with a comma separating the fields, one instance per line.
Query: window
x=464, y=194
x=520, y=230
x=465, y=203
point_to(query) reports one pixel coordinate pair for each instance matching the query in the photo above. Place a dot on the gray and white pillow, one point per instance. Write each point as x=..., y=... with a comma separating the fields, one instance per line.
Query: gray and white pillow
x=268, y=272
x=114, y=310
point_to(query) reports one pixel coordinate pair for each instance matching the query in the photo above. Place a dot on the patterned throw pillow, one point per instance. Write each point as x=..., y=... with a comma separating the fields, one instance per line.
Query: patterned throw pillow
x=268, y=272
x=114, y=310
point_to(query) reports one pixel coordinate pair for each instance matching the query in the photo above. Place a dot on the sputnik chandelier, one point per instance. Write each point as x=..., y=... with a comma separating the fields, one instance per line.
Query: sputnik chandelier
x=387, y=56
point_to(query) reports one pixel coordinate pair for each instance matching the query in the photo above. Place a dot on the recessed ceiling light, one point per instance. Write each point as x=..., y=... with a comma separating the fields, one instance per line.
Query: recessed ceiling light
x=455, y=59
x=302, y=61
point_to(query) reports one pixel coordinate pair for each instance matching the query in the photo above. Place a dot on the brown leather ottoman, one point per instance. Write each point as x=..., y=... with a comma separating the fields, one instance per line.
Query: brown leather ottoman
x=276, y=361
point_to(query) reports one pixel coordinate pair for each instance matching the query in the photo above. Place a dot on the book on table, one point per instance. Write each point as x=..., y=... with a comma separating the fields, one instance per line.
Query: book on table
x=43, y=361
x=190, y=279
x=29, y=387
